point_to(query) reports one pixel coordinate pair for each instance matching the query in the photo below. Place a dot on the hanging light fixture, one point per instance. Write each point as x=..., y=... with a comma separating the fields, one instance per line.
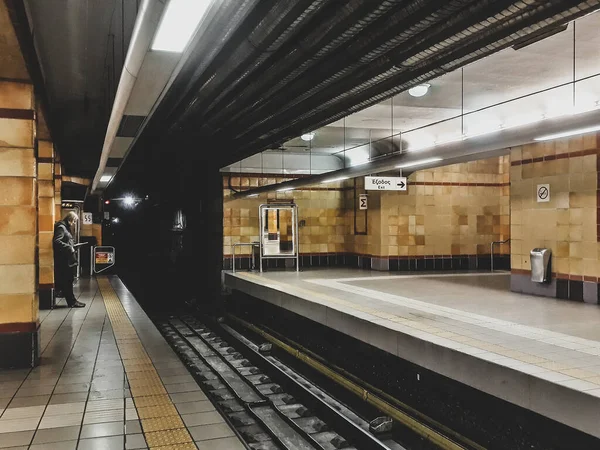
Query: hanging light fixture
x=419, y=90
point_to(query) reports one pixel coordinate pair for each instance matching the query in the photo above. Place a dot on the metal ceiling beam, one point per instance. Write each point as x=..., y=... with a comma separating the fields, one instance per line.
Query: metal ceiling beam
x=342, y=100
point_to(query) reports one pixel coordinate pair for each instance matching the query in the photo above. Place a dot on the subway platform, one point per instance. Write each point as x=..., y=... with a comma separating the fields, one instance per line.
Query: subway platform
x=107, y=380
x=537, y=353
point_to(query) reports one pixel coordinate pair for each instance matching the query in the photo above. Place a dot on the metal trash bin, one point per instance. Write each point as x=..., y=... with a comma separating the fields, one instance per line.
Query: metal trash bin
x=540, y=264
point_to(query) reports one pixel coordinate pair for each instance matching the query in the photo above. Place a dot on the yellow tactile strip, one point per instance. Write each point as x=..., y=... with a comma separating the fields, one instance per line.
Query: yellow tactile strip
x=161, y=423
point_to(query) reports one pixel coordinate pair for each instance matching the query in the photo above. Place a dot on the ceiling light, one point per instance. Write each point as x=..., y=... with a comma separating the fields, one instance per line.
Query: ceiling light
x=251, y=195
x=128, y=201
x=178, y=24
x=420, y=90
x=332, y=180
x=105, y=178
x=568, y=133
x=419, y=162
x=285, y=189
x=307, y=136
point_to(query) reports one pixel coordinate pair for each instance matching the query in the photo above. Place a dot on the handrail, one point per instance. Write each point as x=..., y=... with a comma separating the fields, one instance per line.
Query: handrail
x=492, y=251
x=241, y=244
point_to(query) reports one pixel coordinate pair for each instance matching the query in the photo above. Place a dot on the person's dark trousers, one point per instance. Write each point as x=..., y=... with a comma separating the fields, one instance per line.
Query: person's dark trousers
x=64, y=282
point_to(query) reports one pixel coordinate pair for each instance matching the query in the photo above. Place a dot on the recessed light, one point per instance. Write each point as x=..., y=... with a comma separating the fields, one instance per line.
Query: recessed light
x=568, y=133
x=419, y=162
x=332, y=180
x=105, y=178
x=419, y=90
x=178, y=23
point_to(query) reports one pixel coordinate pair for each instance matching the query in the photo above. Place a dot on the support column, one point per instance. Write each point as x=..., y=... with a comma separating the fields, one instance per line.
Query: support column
x=46, y=219
x=57, y=188
x=19, y=326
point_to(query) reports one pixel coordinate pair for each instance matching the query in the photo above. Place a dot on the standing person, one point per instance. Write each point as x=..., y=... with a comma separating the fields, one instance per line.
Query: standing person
x=65, y=259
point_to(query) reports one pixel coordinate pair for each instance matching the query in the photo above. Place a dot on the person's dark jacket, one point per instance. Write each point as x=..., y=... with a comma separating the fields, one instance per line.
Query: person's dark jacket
x=64, y=252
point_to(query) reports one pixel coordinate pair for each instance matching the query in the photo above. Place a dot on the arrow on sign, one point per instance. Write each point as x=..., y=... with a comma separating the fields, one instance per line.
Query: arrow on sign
x=401, y=184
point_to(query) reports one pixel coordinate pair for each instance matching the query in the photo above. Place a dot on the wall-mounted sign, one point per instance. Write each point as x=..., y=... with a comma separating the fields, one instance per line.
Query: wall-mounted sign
x=105, y=257
x=87, y=218
x=543, y=193
x=385, y=183
x=362, y=201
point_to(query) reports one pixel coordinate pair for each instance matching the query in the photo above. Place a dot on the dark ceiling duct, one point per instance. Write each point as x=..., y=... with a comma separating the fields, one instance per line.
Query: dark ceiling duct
x=290, y=62
x=278, y=24
x=375, y=40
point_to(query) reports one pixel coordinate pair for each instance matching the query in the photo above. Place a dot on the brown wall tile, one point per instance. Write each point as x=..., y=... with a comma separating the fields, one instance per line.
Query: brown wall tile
x=45, y=149
x=17, y=308
x=15, y=95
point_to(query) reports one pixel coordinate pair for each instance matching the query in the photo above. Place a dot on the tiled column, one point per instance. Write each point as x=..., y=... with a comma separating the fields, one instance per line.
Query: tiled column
x=57, y=188
x=18, y=227
x=46, y=219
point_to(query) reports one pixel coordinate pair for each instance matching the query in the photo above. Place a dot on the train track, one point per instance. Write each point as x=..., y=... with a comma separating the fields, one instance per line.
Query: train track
x=291, y=413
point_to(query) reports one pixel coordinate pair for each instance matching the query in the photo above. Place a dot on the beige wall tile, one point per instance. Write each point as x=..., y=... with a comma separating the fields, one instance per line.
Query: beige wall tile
x=45, y=171
x=16, y=133
x=17, y=279
x=17, y=162
x=46, y=189
x=17, y=191
x=17, y=220
x=17, y=249
x=46, y=274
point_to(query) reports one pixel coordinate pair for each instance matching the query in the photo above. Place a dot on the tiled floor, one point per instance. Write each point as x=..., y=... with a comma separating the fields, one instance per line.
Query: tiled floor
x=107, y=380
x=473, y=315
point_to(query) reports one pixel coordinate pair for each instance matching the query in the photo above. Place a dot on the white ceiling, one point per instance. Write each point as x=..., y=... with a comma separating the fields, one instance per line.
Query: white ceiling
x=504, y=76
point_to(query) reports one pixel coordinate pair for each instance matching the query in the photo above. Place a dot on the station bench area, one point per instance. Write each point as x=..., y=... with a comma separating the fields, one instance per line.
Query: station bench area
x=539, y=354
x=107, y=379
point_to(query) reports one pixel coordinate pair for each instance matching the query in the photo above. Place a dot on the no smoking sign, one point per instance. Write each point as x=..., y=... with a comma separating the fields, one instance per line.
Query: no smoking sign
x=543, y=193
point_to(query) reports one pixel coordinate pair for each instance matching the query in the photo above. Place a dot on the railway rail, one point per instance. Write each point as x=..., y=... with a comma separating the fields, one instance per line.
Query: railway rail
x=272, y=406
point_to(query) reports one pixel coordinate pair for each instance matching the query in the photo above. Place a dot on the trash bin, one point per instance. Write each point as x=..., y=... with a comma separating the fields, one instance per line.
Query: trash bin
x=540, y=264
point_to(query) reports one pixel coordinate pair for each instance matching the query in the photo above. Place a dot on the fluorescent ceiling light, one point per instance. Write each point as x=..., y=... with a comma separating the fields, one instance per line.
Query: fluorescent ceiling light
x=419, y=162
x=285, y=189
x=568, y=133
x=420, y=90
x=251, y=195
x=307, y=136
x=332, y=180
x=105, y=178
x=178, y=24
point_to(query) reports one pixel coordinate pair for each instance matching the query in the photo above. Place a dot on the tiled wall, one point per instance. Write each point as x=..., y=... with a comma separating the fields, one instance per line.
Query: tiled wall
x=567, y=224
x=46, y=219
x=321, y=215
x=445, y=220
x=18, y=208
